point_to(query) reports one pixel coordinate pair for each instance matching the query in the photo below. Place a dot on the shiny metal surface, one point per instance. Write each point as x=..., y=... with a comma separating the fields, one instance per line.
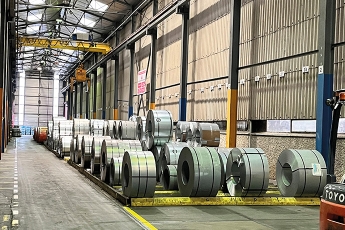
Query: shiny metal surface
x=247, y=172
x=301, y=172
x=64, y=146
x=159, y=127
x=86, y=148
x=72, y=149
x=81, y=127
x=141, y=128
x=181, y=130
x=110, y=128
x=127, y=130
x=65, y=128
x=199, y=172
x=138, y=174
x=115, y=171
x=96, y=127
x=77, y=148
x=224, y=155
x=96, y=148
x=169, y=178
x=156, y=153
x=207, y=134
x=190, y=139
x=116, y=129
x=50, y=128
x=172, y=151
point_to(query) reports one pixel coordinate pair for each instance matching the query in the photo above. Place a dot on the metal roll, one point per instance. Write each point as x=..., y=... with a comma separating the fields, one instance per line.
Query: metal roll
x=181, y=130
x=86, y=148
x=105, y=128
x=72, y=149
x=141, y=128
x=247, y=172
x=207, y=134
x=199, y=172
x=81, y=127
x=115, y=171
x=156, y=153
x=116, y=129
x=138, y=174
x=127, y=130
x=64, y=146
x=96, y=149
x=110, y=149
x=224, y=154
x=301, y=173
x=77, y=148
x=50, y=129
x=65, y=128
x=109, y=129
x=172, y=151
x=190, y=139
x=169, y=177
x=96, y=127
x=159, y=127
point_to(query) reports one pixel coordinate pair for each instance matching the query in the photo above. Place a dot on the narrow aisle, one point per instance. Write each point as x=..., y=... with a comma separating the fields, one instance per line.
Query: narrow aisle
x=53, y=195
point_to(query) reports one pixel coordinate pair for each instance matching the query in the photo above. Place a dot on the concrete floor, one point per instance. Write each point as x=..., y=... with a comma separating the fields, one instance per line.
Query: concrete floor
x=50, y=194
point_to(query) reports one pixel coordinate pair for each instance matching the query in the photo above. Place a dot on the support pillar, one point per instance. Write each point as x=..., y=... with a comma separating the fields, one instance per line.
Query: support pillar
x=116, y=81
x=104, y=90
x=325, y=77
x=64, y=98
x=87, y=101
x=81, y=100
x=184, y=10
x=75, y=104
x=153, y=74
x=94, y=94
x=231, y=126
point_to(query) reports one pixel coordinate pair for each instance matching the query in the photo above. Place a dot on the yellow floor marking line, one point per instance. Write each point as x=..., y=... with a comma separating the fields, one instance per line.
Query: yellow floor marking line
x=6, y=218
x=139, y=218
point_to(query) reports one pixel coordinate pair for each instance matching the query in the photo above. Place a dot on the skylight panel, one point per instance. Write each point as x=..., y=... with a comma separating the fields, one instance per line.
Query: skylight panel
x=32, y=29
x=37, y=2
x=34, y=17
x=96, y=5
x=79, y=31
x=87, y=22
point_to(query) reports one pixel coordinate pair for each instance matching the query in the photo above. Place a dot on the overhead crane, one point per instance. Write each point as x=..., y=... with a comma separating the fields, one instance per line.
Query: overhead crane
x=85, y=46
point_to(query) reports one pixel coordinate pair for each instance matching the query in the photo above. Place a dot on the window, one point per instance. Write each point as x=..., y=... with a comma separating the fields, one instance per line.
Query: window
x=32, y=29
x=37, y=2
x=87, y=22
x=34, y=17
x=96, y=5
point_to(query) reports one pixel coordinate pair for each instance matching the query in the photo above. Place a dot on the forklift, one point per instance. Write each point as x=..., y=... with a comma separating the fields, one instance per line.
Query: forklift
x=332, y=206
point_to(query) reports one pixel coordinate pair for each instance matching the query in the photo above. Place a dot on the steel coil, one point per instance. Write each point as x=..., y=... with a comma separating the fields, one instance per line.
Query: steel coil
x=96, y=127
x=41, y=134
x=115, y=171
x=156, y=153
x=127, y=130
x=159, y=127
x=65, y=128
x=115, y=149
x=105, y=128
x=116, y=129
x=96, y=149
x=50, y=129
x=199, y=172
x=224, y=154
x=191, y=131
x=138, y=174
x=72, y=149
x=181, y=130
x=207, y=134
x=81, y=127
x=141, y=127
x=77, y=148
x=86, y=148
x=110, y=129
x=247, y=172
x=169, y=177
x=64, y=146
x=301, y=173
x=55, y=131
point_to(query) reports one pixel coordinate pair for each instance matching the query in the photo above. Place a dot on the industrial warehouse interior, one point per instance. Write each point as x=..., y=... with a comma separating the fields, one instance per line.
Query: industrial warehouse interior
x=172, y=114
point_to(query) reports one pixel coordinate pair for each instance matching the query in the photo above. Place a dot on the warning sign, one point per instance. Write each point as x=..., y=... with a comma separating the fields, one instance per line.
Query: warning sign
x=141, y=82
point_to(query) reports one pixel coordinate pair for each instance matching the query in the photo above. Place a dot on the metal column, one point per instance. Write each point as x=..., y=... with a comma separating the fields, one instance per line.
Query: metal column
x=231, y=126
x=325, y=77
x=116, y=81
x=64, y=98
x=70, y=104
x=153, y=34
x=81, y=100
x=87, y=101
x=184, y=10
x=131, y=48
x=75, y=104
x=2, y=68
x=94, y=108
x=104, y=89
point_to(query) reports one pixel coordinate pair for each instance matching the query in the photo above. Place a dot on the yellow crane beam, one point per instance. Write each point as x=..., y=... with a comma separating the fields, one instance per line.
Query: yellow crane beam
x=85, y=46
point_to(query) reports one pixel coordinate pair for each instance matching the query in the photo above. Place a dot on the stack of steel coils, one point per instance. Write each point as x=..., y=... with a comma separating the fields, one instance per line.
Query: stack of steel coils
x=86, y=147
x=301, y=172
x=81, y=127
x=96, y=127
x=65, y=128
x=110, y=129
x=72, y=149
x=64, y=146
x=77, y=149
x=116, y=129
x=191, y=131
x=141, y=129
x=168, y=162
x=247, y=172
x=55, y=131
x=96, y=147
x=159, y=127
x=127, y=130
x=138, y=174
